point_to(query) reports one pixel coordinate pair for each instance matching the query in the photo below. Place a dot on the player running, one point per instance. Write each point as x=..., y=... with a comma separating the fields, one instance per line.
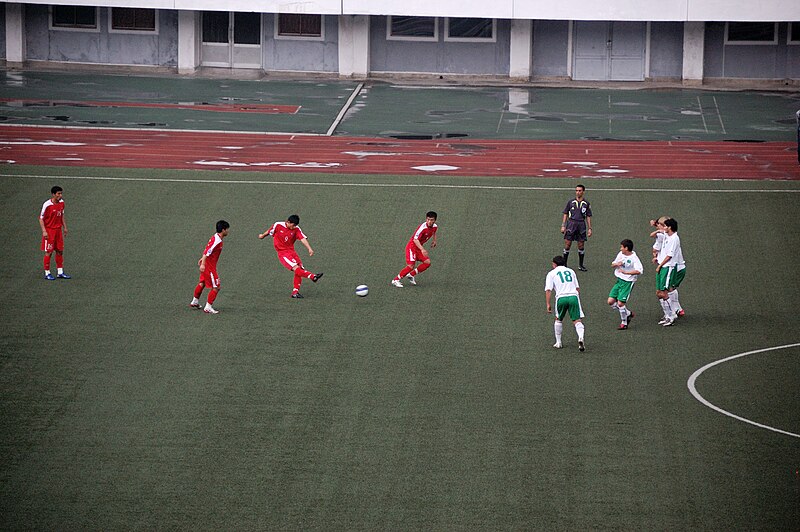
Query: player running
x=208, y=269
x=564, y=282
x=627, y=269
x=285, y=234
x=416, y=252
x=54, y=229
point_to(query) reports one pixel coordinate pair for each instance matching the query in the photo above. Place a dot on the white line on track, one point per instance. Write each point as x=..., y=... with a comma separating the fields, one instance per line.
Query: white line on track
x=700, y=398
x=386, y=185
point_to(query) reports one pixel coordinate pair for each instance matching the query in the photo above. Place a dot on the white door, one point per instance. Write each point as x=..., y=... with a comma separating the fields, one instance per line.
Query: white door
x=609, y=51
x=231, y=40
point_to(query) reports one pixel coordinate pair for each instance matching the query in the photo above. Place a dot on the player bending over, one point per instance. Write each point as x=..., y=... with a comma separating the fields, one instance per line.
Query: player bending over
x=564, y=282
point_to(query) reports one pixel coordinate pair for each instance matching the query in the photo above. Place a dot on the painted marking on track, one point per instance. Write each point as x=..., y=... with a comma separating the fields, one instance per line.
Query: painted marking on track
x=696, y=394
x=394, y=185
x=435, y=167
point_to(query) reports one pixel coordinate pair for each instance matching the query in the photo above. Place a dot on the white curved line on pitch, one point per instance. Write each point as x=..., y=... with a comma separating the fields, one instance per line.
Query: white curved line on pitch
x=700, y=398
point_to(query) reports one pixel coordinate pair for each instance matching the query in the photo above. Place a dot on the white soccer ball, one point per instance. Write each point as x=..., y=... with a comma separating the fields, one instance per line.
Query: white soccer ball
x=362, y=290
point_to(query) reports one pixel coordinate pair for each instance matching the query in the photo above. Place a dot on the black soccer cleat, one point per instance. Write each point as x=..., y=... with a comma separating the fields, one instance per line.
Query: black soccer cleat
x=581, y=347
x=297, y=295
x=317, y=276
x=582, y=268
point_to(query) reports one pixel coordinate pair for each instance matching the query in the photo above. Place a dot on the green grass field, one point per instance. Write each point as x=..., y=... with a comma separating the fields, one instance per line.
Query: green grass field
x=436, y=407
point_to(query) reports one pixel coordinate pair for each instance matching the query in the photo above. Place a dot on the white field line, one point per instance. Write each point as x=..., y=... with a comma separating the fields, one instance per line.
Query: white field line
x=387, y=185
x=719, y=115
x=705, y=126
x=344, y=109
x=700, y=398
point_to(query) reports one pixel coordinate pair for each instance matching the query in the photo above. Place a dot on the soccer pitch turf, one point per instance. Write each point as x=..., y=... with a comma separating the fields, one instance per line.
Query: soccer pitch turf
x=440, y=406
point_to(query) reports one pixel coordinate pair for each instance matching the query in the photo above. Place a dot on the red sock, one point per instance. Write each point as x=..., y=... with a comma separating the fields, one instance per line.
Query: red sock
x=405, y=271
x=422, y=267
x=298, y=280
x=305, y=273
x=212, y=296
x=47, y=262
x=198, y=290
x=59, y=260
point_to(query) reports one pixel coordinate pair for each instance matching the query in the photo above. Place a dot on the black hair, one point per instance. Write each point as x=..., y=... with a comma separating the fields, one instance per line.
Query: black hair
x=431, y=214
x=579, y=185
x=672, y=223
x=222, y=225
x=293, y=219
x=627, y=244
x=56, y=189
x=558, y=260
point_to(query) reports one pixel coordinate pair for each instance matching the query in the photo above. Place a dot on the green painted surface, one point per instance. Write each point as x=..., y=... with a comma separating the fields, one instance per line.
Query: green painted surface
x=436, y=407
x=384, y=109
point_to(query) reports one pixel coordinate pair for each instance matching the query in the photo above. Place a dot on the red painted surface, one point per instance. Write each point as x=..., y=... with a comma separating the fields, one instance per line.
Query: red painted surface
x=191, y=106
x=524, y=158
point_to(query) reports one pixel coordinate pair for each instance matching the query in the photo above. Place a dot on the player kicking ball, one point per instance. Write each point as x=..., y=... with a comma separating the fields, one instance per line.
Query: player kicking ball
x=284, y=235
x=564, y=283
x=416, y=252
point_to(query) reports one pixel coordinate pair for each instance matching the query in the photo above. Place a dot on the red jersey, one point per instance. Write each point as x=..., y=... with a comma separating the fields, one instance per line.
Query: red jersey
x=284, y=238
x=52, y=214
x=212, y=252
x=423, y=233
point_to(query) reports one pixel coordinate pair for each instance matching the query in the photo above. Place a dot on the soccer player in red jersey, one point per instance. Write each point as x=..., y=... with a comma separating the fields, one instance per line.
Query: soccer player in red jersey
x=285, y=234
x=415, y=252
x=52, y=221
x=208, y=269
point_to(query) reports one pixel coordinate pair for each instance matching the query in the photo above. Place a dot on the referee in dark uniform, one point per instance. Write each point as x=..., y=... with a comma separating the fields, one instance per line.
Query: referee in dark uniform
x=576, y=225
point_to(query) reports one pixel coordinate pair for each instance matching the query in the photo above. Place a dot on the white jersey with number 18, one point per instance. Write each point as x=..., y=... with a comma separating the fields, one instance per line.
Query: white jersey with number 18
x=562, y=281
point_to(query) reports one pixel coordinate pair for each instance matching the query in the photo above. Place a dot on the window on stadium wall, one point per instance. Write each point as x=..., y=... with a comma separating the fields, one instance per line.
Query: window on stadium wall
x=215, y=26
x=794, y=32
x=74, y=17
x=412, y=27
x=470, y=28
x=133, y=19
x=296, y=25
x=751, y=33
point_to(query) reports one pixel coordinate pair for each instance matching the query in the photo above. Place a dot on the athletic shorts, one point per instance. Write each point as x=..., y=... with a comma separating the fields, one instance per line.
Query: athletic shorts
x=571, y=305
x=210, y=279
x=413, y=254
x=289, y=259
x=54, y=241
x=621, y=290
x=670, y=277
x=576, y=231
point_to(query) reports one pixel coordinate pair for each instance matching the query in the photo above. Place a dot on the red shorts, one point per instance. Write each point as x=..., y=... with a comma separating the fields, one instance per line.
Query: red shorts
x=54, y=241
x=210, y=279
x=289, y=259
x=413, y=254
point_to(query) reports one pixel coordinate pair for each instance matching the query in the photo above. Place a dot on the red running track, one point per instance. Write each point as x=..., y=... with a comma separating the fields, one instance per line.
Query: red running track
x=294, y=153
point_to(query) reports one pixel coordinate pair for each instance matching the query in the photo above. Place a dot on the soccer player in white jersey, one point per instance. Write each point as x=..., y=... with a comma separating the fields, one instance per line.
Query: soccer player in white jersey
x=627, y=269
x=564, y=283
x=670, y=272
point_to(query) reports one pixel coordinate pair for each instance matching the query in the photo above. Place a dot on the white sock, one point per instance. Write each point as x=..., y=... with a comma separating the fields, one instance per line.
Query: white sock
x=558, y=328
x=47, y=272
x=623, y=314
x=208, y=305
x=667, y=309
x=60, y=271
x=673, y=301
x=195, y=301
x=580, y=330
